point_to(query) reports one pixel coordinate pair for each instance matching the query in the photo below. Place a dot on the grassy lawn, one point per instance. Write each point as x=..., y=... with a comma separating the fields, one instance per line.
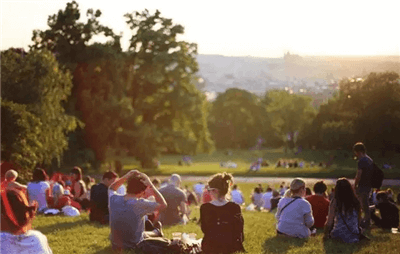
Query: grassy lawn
x=77, y=235
x=206, y=164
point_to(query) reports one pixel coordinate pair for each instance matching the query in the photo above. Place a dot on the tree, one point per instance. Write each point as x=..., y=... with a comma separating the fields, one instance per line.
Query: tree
x=170, y=112
x=34, y=124
x=289, y=114
x=70, y=40
x=236, y=119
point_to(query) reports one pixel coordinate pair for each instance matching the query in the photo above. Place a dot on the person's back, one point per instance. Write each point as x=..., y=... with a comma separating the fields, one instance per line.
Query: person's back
x=319, y=204
x=99, y=203
x=296, y=219
x=31, y=242
x=346, y=227
x=37, y=191
x=389, y=214
x=174, y=197
x=320, y=209
x=258, y=200
x=127, y=220
x=267, y=199
x=222, y=227
x=237, y=196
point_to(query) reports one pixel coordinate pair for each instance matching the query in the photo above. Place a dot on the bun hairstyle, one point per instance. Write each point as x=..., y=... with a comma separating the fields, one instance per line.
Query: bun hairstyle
x=221, y=182
x=16, y=213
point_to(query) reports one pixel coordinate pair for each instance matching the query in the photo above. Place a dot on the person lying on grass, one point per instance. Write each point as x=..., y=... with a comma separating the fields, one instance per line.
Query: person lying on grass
x=127, y=212
x=294, y=212
x=388, y=210
x=221, y=221
x=16, y=223
x=344, y=215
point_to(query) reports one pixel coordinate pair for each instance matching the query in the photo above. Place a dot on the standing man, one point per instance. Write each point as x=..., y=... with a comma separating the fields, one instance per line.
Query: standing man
x=362, y=182
x=99, y=198
x=176, y=200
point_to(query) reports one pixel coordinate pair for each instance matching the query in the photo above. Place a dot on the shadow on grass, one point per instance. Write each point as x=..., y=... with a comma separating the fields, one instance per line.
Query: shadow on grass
x=335, y=246
x=65, y=226
x=281, y=244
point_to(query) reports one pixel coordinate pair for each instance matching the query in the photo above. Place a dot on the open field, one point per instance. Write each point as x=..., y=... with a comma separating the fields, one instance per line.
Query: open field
x=77, y=235
x=205, y=164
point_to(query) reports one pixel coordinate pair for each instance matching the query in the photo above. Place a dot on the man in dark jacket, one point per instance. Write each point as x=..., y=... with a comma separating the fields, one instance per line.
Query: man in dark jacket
x=99, y=198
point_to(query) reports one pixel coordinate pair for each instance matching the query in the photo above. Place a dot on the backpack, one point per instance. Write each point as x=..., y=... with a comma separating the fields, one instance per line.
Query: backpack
x=377, y=176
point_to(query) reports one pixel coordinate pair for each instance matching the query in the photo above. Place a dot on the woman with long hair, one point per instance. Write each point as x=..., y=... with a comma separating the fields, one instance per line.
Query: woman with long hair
x=221, y=221
x=16, y=223
x=78, y=189
x=344, y=214
x=39, y=189
x=294, y=212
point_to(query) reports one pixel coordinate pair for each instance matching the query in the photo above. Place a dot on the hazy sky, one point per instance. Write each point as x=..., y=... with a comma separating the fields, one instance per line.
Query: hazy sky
x=237, y=28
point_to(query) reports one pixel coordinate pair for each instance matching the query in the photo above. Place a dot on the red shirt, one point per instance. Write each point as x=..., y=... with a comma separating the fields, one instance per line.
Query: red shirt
x=320, y=209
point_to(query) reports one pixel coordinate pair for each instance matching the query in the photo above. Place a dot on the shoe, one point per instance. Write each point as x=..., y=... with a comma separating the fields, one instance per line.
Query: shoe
x=158, y=227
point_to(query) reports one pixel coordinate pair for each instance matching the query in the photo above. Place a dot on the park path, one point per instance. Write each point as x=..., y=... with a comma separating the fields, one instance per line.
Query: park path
x=275, y=180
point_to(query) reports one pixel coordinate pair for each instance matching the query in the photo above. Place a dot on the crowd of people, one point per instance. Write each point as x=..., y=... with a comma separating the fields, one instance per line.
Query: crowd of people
x=136, y=208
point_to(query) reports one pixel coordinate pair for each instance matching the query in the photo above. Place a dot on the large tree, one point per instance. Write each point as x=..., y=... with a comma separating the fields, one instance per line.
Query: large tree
x=34, y=124
x=237, y=119
x=289, y=114
x=170, y=112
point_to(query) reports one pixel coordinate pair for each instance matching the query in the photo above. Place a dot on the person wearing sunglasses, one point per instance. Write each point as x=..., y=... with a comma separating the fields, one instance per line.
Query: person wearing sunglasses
x=221, y=221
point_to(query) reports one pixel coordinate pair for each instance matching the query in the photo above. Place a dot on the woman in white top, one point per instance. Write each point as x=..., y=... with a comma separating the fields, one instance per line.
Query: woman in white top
x=16, y=235
x=294, y=213
x=39, y=189
x=256, y=198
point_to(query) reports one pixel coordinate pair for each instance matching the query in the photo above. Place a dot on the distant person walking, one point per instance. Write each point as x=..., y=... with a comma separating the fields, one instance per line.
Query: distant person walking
x=362, y=182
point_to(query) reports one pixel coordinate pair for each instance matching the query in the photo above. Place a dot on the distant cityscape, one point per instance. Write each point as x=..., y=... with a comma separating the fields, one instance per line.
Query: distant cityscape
x=317, y=77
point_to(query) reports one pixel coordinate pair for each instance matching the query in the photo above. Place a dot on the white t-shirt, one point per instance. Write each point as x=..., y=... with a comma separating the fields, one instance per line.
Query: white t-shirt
x=37, y=191
x=237, y=197
x=32, y=242
x=267, y=199
x=258, y=201
x=296, y=219
x=121, y=190
x=198, y=188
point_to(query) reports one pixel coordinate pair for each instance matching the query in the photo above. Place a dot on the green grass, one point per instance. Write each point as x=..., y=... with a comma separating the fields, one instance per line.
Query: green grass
x=77, y=235
x=206, y=164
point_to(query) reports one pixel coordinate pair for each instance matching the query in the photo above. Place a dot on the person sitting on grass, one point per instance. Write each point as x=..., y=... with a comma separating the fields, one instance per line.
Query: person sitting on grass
x=39, y=189
x=16, y=234
x=78, y=187
x=267, y=199
x=274, y=200
x=99, y=198
x=221, y=221
x=237, y=195
x=344, y=214
x=61, y=199
x=294, y=213
x=176, y=199
x=127, y=212
x=10, y=181
x=256, y=198
x=388, y=210
x=319, y=204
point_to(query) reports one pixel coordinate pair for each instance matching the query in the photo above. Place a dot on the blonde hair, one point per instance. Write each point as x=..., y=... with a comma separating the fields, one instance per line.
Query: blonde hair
x=11, y=174
x=58, y=191
x=296, y=185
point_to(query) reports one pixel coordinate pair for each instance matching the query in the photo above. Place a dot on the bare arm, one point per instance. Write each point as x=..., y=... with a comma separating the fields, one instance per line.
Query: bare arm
x=330, y=220
x=358, y=177
x=159, y=198
x=115, y=185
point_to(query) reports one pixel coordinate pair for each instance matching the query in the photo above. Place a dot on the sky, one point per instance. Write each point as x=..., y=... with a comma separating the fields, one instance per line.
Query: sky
x=237, y=28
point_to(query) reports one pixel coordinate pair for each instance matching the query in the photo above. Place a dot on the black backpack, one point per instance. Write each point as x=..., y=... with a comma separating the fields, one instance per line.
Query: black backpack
x=376, y=177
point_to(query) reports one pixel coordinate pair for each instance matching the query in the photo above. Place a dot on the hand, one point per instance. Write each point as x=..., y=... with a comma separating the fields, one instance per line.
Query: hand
x=132, y=173
x=146, y=180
